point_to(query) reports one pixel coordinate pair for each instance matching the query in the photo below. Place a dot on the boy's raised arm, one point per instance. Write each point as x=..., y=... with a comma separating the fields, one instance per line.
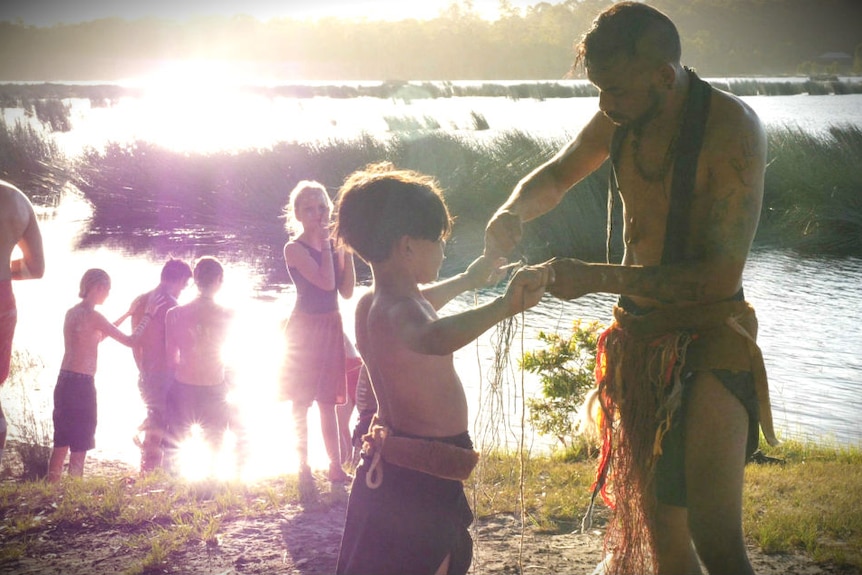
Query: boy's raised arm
x=427, y=335
x=482, y=272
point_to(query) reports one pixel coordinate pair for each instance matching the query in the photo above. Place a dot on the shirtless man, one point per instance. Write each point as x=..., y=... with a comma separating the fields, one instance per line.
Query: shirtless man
x=407, y=511
x=18, y=227
x=195, y=334
x=681, y=274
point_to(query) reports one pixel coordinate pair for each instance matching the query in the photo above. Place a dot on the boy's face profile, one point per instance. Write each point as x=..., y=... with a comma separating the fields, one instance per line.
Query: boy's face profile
x=428, y=257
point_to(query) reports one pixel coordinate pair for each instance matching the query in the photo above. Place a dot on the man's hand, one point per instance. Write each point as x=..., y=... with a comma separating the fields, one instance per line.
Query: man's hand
x=571, y=278
x=155, y=301
x=502, y=234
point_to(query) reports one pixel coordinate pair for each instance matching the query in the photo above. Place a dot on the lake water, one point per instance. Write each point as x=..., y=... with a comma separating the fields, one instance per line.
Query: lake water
x=809, y=308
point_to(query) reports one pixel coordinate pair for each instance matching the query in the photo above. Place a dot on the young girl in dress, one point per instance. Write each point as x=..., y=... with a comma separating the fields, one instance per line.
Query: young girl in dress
x=314, y=362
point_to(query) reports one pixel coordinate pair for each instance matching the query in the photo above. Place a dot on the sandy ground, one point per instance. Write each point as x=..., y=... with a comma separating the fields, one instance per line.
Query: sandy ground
x=304, y=541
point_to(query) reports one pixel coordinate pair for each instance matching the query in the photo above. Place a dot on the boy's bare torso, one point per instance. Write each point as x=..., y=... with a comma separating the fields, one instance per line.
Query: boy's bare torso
x=417, y=393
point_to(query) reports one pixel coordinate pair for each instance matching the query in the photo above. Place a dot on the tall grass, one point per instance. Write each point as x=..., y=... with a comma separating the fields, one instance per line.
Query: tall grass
x=31, y=160
x=30, y=437
x=813, y=191
x=150, y=198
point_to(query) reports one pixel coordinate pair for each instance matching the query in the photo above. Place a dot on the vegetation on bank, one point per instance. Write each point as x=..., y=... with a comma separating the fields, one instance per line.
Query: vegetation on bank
x=47, y=101
x=148, y=198
x=809, y=502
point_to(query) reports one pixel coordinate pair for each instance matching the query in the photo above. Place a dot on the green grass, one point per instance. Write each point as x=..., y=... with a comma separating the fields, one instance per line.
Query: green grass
x=812, y=503
x=158, y=514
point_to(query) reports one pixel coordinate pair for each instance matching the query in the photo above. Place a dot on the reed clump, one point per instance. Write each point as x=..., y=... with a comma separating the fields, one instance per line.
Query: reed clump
x=150, y=198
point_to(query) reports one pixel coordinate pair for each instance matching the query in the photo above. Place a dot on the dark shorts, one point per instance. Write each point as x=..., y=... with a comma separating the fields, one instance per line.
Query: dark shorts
x=154, y=393
x=203, y=404
x=75, y=411
x=670, y=467
x=409, y=524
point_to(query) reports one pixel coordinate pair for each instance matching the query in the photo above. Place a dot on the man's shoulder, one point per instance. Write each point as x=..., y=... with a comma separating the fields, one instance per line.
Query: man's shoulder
x=729, y=109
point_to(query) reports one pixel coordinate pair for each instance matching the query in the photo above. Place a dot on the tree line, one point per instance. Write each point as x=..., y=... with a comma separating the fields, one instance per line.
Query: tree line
x=719, y=37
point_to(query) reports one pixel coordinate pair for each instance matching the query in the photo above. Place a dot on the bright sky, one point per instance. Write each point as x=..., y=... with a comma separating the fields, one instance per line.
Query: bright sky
x=50, y=12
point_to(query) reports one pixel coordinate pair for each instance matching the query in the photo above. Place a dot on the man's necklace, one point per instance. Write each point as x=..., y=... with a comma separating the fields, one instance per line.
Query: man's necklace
x=658, y=175
x=649, y=173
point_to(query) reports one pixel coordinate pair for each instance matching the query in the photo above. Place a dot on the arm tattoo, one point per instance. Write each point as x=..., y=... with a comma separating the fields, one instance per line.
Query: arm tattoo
x=742, y=164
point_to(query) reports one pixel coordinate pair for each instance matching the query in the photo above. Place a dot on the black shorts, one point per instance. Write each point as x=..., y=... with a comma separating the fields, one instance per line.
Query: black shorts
x=75, y=411
x=670, y=467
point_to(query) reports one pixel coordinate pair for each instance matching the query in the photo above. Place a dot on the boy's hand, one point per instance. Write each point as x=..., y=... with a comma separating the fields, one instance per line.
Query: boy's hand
x=154, y=302
x=485, y=271
x=528, y=286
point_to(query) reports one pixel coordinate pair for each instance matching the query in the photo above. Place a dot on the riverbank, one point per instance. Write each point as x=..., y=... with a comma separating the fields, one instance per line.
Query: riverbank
x=114, y=521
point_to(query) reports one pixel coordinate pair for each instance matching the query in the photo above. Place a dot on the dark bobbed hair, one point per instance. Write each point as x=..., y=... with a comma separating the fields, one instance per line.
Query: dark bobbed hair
x=380, y=204
x=175, y=270
x=630, y=30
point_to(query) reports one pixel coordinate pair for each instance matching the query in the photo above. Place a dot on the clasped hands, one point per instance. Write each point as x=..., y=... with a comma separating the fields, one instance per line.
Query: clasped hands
x=567, y=278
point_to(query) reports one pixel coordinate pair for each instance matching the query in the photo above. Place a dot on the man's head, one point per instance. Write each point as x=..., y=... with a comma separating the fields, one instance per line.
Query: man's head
x=208, y=273
x=379, y=205
x=175, y=275
x=631, y=53
x=631, y=31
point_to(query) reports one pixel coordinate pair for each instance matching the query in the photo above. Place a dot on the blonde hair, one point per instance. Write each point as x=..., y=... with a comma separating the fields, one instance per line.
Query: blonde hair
x=301, y=190
x=91, y=278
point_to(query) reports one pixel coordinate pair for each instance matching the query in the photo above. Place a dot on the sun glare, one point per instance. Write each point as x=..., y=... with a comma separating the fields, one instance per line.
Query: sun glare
x=200, y=105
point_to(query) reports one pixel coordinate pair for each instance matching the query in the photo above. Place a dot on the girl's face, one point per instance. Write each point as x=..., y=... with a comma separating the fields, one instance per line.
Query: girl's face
x=312, y=210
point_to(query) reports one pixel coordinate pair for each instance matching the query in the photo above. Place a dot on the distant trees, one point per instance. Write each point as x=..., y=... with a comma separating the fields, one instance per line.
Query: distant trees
x=720, y=37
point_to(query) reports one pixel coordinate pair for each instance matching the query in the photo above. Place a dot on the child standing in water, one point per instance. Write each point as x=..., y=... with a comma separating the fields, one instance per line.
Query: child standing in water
x=407, y=511
x=314, y=362
x=75, y=410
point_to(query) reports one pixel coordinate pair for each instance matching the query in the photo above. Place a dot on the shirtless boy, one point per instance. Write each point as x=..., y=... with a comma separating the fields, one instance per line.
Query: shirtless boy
x=407, y=511
x=195, y=334
x=75, y=407
x=149, y=353
x=18, y=227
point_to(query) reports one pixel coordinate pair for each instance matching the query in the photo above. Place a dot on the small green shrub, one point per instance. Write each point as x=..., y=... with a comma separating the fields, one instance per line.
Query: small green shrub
x=566, y=367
